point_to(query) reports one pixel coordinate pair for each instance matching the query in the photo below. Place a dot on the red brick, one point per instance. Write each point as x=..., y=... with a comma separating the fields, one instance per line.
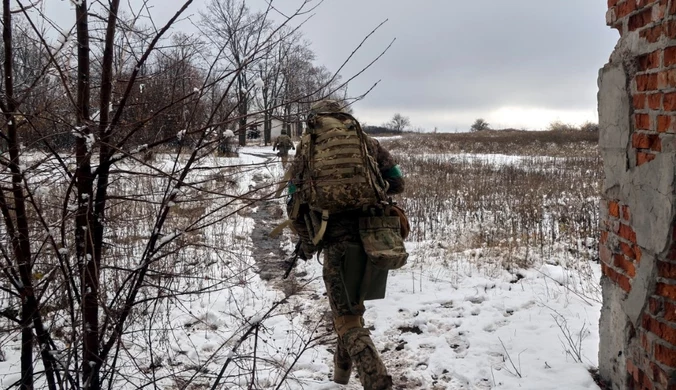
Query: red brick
x=672, y=254
x=632, y=370
x=666, y=270
x=669, y=101
x=628, y=250
x=621, y=280
x=659, y=376
x=640, y=140
x=612, y=3
x=604, y=238
x=649, y=61
x=666, y=79
x=653, y=34
x=669, y=312
x=660, y=329
x=614, y=209
x=626, y=215
x=625, y=9
x=656, y=144
x=640, y=19
x=666, y=290
x=670, y=56
x=639, y=100
x=669, y=29
x=663, y=123
x=627, y=233
x=655, y=305
x=646, y=82
x=642, y=121
x=642, y=3
x=665, y=355
x=672, y=9
x=625, y=265
x=637, y=251
x=655, y=101
x=642, y=158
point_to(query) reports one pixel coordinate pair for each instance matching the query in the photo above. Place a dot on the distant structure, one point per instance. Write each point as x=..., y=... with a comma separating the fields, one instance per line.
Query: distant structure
x=255, y=127
x=637, y=115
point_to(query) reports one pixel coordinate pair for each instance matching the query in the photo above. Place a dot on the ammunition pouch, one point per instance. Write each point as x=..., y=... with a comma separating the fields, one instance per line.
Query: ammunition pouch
x=382, y=241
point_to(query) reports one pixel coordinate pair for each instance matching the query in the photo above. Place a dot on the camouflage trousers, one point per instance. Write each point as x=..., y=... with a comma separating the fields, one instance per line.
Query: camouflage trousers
x=284, y=156
x=354, y=345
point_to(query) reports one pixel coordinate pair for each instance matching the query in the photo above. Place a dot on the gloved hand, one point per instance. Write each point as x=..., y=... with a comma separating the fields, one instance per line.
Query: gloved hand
x=307, y=250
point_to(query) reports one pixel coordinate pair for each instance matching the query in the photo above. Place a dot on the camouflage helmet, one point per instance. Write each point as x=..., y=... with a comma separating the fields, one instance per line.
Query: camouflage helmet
x=326, y=105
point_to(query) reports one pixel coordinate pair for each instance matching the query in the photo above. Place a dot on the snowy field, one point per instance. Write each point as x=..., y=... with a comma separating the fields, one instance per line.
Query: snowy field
x=449, y=321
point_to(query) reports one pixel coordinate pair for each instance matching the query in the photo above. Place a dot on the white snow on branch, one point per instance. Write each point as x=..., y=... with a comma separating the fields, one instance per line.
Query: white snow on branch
x=167, y=238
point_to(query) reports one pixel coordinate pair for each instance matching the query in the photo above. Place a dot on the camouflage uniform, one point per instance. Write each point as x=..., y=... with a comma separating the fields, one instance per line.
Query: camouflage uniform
x=283, y=143
x=354, y=345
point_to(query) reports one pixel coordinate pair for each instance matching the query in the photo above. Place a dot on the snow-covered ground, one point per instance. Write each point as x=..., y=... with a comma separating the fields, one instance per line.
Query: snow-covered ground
x=449, y=321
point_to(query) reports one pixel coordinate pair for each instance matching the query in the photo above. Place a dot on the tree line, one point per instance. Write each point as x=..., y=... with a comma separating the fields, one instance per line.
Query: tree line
x=81, y=107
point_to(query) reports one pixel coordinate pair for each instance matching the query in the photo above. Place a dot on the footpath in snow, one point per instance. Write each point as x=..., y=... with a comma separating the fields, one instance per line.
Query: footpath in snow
x=453, y=326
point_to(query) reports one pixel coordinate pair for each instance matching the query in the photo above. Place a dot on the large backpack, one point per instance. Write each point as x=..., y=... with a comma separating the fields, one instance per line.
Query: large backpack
x=339, y=173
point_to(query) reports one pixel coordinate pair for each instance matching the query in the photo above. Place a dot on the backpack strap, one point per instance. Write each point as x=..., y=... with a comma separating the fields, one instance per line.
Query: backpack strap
x=322, y=227
x=288, y=223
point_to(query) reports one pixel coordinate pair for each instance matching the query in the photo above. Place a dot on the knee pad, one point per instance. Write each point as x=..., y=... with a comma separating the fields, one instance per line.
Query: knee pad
x=345, y=323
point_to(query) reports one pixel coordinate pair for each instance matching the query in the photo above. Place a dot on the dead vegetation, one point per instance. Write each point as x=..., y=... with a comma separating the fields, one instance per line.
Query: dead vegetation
x=567, y=143
x=515, y=205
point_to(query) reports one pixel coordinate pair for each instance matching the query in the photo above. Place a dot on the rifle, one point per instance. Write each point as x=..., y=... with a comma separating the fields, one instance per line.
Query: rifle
x=294, y=259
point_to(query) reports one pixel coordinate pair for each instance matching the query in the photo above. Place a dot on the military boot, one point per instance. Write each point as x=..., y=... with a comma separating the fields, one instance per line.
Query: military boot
x=372, y=372
x=342, y=365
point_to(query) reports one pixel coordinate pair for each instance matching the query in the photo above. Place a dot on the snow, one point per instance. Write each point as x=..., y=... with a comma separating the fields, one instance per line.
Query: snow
x=448, y=320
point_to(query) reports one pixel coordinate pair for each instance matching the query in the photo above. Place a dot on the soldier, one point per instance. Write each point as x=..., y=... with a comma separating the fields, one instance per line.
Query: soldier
x=283, y=143
x=340, y=241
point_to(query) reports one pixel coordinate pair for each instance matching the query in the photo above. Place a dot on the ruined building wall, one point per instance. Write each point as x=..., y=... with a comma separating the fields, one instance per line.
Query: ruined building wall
x=637, y=118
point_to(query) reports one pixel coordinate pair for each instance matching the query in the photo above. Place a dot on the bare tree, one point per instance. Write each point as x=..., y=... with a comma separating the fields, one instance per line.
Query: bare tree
x=98, y=235
x=480, y=125
x=398, y=122
x=240, y=35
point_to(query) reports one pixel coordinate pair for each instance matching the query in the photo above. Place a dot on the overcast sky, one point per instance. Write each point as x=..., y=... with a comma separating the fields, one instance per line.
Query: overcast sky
x=515, y=63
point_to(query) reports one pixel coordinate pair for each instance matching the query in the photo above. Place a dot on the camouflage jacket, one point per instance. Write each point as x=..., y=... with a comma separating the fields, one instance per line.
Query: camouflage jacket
x=343, y=226
x=283, y=143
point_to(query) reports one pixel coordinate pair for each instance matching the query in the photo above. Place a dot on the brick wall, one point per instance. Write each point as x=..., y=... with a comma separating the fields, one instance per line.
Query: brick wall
x=637, y=247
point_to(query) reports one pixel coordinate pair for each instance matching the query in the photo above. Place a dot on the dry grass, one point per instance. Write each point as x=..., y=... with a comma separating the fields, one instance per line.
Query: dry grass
x=511, y=142
x=530, y=208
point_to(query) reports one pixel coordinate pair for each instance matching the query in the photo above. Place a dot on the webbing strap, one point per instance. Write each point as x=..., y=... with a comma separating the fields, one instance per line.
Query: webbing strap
x=355, y=150
x=341, y=181
x=337, y=161
x=333, y=133
x=292, y=217
x=322, y=227
x=338, y=142
x=278, y=230
x=338, y=171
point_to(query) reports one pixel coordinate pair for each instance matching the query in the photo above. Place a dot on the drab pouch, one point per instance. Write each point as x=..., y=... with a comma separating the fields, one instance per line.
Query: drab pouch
x=382, y=241
x=362, y=281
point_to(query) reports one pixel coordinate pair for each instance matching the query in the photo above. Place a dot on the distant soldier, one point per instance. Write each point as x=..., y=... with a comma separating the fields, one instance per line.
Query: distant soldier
x=283, y=143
